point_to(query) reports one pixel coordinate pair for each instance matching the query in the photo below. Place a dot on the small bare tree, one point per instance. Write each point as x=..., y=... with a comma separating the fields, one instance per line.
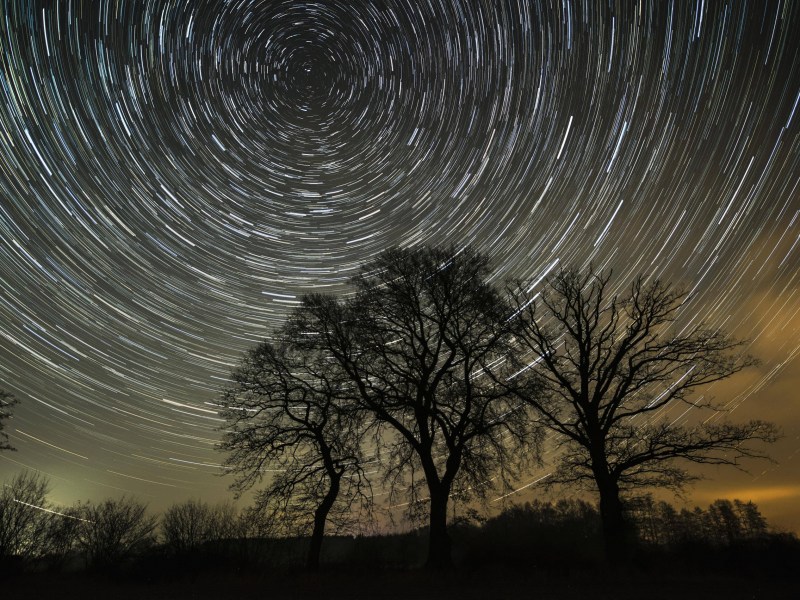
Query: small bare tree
x=290, y=414
x=23, y=516
x=60, y=537
x=188, y=526
x=113, y=531
x=611, y=367
x=7, y=400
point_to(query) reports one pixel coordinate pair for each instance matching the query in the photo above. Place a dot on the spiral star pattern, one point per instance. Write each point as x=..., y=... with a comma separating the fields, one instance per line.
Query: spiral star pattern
x=175, y=175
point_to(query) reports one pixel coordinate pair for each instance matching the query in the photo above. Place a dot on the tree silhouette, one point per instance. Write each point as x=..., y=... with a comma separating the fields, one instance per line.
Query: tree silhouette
x=188, y=526
x=612, y=366
x=23, y=523
x=7, y=400
x=113, y=531
x=290, y=413
x=754, y=525
x=60, y=537
x=416, y=342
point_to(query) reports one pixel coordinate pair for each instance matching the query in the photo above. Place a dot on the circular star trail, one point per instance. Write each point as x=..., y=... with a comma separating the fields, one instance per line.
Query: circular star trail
x=175, y=175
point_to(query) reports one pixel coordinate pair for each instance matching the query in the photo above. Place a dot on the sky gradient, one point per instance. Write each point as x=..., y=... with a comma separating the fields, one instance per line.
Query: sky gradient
x=175, y=175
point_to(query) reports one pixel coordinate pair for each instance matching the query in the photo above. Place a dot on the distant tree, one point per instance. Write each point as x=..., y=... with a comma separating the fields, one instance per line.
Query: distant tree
x=23, y=520
x=113, y=531
x=416, y=342
x=7, y=400
x=289, y=412
x=185, y=527
x=612, y=366
x=753, y=524
x=655, y=522
x=689, y=527
x=188, y=526
x=60, y=535
x=226, y=522
x=668, y=520
x=725, y=522
x=642, y=511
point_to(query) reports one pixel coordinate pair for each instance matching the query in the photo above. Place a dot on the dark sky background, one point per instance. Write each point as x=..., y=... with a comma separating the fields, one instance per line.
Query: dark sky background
x=175, y=175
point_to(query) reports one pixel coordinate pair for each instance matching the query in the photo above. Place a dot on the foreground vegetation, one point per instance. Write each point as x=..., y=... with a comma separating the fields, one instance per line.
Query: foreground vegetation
x=551, y=550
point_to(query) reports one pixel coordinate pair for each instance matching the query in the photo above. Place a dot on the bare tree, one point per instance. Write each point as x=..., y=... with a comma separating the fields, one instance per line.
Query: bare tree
x=612, y=367
x=188, y=526
x=416, y=342
x=113, y=531
x=7, y=400
x=225, y=521
x=23, y=516
x=754, y=525
x=60, y=536
x=289, y=414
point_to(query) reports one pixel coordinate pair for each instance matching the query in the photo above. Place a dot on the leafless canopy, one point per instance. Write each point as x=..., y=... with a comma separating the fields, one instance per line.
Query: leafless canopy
x=613, y=366
x=187, y=526
x=417, y=342
x=22, y=522
x=290, y=419
x=112, y=531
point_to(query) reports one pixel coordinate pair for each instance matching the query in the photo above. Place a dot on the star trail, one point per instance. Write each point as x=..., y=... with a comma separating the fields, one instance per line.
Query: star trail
x=175, y=175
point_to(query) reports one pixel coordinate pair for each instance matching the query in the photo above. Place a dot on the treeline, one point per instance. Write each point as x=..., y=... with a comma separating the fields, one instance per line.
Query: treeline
x=565, y=538
x=723, y=523
x=120, y=535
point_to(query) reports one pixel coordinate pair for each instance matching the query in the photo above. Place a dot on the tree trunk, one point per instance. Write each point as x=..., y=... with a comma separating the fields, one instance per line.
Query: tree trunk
x=320, y=517
x=438, y=539
x=616, y=529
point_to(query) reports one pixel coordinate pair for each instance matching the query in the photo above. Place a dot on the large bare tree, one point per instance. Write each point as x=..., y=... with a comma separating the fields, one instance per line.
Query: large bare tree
x=417, y=341
x=614, y=366
x=290, y=414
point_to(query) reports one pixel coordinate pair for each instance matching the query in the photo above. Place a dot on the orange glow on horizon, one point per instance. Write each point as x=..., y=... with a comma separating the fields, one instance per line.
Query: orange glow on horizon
x=754, y=494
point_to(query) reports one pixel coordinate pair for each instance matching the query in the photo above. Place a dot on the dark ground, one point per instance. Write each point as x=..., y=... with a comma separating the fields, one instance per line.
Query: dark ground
x=482, y=584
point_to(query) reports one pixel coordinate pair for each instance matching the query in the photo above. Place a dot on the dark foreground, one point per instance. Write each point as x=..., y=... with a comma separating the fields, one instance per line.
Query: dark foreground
x=476, y=584
x=536, y=552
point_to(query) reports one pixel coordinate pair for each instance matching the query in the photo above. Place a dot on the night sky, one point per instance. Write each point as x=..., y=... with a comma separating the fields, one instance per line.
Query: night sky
x=175, y=175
